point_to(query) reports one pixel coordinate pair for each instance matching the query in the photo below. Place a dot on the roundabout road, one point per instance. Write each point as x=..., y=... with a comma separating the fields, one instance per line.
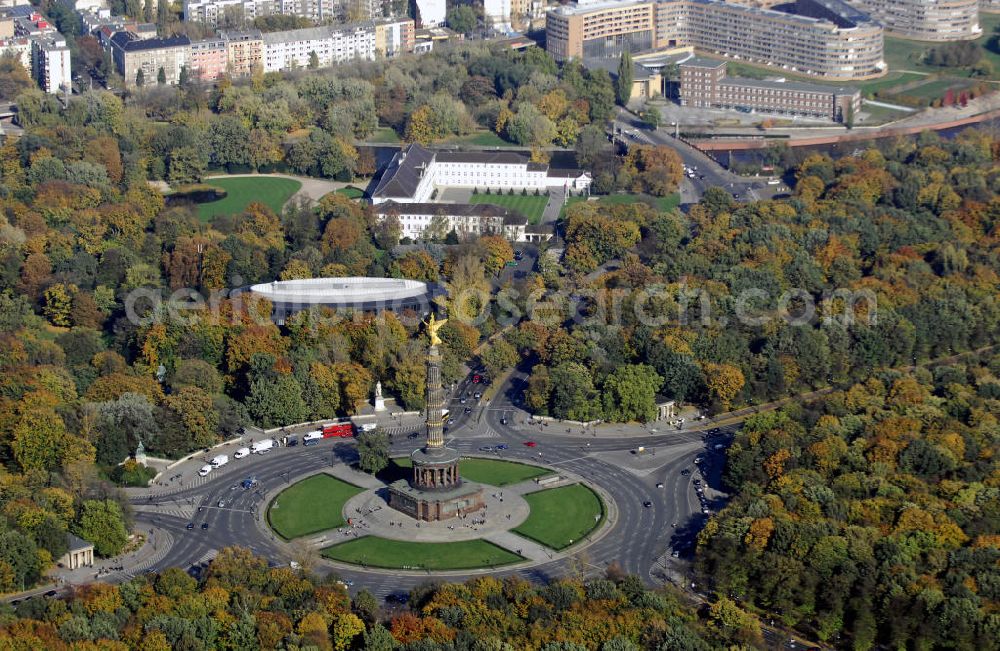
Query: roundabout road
x=638, y=541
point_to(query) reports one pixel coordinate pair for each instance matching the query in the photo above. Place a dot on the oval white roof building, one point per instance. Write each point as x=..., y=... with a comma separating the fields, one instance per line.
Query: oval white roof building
x=355, y=292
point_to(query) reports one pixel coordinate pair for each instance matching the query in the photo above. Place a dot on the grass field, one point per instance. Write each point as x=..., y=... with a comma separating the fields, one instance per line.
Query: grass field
x=495, y=472
x=902, y=54
x=294, y=511
x=401, y=554
x=482, y=138
x=936, y=89
x=384, y=135
x=891, y=80
x=881, y=114
x=561, y=516
x=242, y=191
x=351, y=192
x=530, y=206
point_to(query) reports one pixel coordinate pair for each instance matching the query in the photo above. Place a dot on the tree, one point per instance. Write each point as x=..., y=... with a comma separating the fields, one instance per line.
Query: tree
x=275, y=401
x=623, y=82
x=378, y=638
x=121, y=424
x=373, y=451
x=462, y=19
x=497, y=252
x=102, y=523
x=651, y=117
x=498, y=357
x=140, y=78
x=724, y=381
x=14, y=79
x=630, y=393
x=161, y=76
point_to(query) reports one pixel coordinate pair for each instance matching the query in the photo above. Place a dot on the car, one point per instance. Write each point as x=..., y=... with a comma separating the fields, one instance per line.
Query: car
x=51, y=593
x=698, y=459
x=503, y=421
x=675, y=554
x=242, y=452
x=686, y=472
x=696, y=481
x=463, y=400
x=476, y=379
x=530, y=444
x=706, y=511
x=720, y=446
x=189, y=526
x=451, y=421
x=204, y=526
x=511, y=263
x=222, y=504
x=502, y=446
x=203, y=472
x=518, y=254
x=478, y=395
x=714, y=430
x=292, y=442
x=659, y=484
x=647, y=504
x=467, y=410
x=413, y=435
x=485, y=448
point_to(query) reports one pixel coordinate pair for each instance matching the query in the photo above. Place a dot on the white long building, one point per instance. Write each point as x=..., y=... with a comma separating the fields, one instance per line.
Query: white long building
x=332, y=44
x=212, y=12
x=416, y=172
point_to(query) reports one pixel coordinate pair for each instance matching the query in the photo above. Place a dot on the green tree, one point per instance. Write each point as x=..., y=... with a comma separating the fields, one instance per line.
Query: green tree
x=498, y=357
x=187, y=164
x=121, y=424
x=373, y=451
x=462, y=19
x=623, y=82
x=276, y=401
x=161, y=76
x=378, y=638
x=651, y=117
x=573, y=395
x=140, y=78
x=102, y=523
x=630, y=393
x=313, y=60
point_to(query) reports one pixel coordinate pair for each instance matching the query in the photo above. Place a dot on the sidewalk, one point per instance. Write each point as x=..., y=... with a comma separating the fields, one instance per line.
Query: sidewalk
x=155, y=544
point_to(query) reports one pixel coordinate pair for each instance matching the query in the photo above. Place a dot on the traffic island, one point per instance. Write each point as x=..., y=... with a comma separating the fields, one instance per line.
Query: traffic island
x=309, y=506
x=373, y=551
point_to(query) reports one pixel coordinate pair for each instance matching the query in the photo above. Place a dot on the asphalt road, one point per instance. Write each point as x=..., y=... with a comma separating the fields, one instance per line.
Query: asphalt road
x=638, y=540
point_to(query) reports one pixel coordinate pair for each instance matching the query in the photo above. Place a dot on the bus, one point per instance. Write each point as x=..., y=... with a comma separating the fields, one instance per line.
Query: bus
x=342, y=430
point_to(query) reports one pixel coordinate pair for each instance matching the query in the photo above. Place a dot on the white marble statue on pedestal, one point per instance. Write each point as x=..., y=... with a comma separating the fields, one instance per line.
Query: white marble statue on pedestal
x=379, y=400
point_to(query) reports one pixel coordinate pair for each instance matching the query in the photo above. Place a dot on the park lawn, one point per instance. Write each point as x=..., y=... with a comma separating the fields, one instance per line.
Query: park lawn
x=499, y=473
x=372, y=551
x=241, y=191
x=561, y=516
x=903, y=54
x=890, y=81
x=881, y=114
x=892, y=78
x=663, y=204
x=529, y=205
x=294, y=511
x=480, y=138
x=351, y=192
x=936, y=89
x=384, y=135
x=495, y=472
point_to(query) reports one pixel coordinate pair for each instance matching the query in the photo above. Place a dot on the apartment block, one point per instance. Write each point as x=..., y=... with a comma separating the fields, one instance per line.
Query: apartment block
x=216, y=12
x=132, y=54
x=824, y=38
x=927, y=20
x=244, y=51
x=209, y=59
x=334, y=44
x=51, y=63
x=704, y=84
x=394, y=36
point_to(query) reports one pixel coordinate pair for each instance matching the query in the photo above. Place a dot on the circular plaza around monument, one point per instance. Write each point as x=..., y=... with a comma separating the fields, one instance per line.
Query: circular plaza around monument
x=531, y=514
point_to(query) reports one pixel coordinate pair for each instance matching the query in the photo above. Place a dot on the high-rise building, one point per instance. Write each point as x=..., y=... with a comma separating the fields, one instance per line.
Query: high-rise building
x=823, y=38
x=51, y=63
x=430, y=13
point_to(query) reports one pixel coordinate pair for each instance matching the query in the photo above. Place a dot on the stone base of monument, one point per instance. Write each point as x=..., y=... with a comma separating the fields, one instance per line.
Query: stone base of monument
x=434, y=504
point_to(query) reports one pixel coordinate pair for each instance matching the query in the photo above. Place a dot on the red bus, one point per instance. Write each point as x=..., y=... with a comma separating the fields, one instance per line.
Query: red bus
x=343, y=430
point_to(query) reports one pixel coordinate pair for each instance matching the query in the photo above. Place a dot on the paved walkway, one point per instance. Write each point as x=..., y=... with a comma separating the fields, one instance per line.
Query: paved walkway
x=554, y=205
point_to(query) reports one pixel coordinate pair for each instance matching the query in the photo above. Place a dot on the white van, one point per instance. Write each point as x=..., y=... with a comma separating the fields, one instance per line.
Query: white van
x=204, y=471
x=219, y=461
x=242, y=452
x=260, y=447
x=312, y=438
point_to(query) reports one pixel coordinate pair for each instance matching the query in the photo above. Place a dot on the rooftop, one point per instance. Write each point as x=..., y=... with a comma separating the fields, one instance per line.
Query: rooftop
x=131, y=43
x=75, y=543
x=788, y=85
x=511, y=217
x=402, y=176
x=340, y=291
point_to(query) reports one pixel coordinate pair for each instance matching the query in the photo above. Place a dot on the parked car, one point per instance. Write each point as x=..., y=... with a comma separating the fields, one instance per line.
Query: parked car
x=242, y=452
x=485, y=448
x=204, y=526
x=189, y=526
x=647, y=504
x=204, y=471
x=502, y=446
x=530, y=444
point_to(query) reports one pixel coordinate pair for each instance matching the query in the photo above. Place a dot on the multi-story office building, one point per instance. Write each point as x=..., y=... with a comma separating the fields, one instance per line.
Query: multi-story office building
x=209, y=59
x=704, y=84
x=825, y=38
x=333, y=44
x=132, y=54
x=394, y=36
x=926, y=20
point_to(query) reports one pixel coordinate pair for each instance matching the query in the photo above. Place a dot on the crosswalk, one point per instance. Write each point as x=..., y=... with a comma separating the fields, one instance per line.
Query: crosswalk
x=183, y=512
